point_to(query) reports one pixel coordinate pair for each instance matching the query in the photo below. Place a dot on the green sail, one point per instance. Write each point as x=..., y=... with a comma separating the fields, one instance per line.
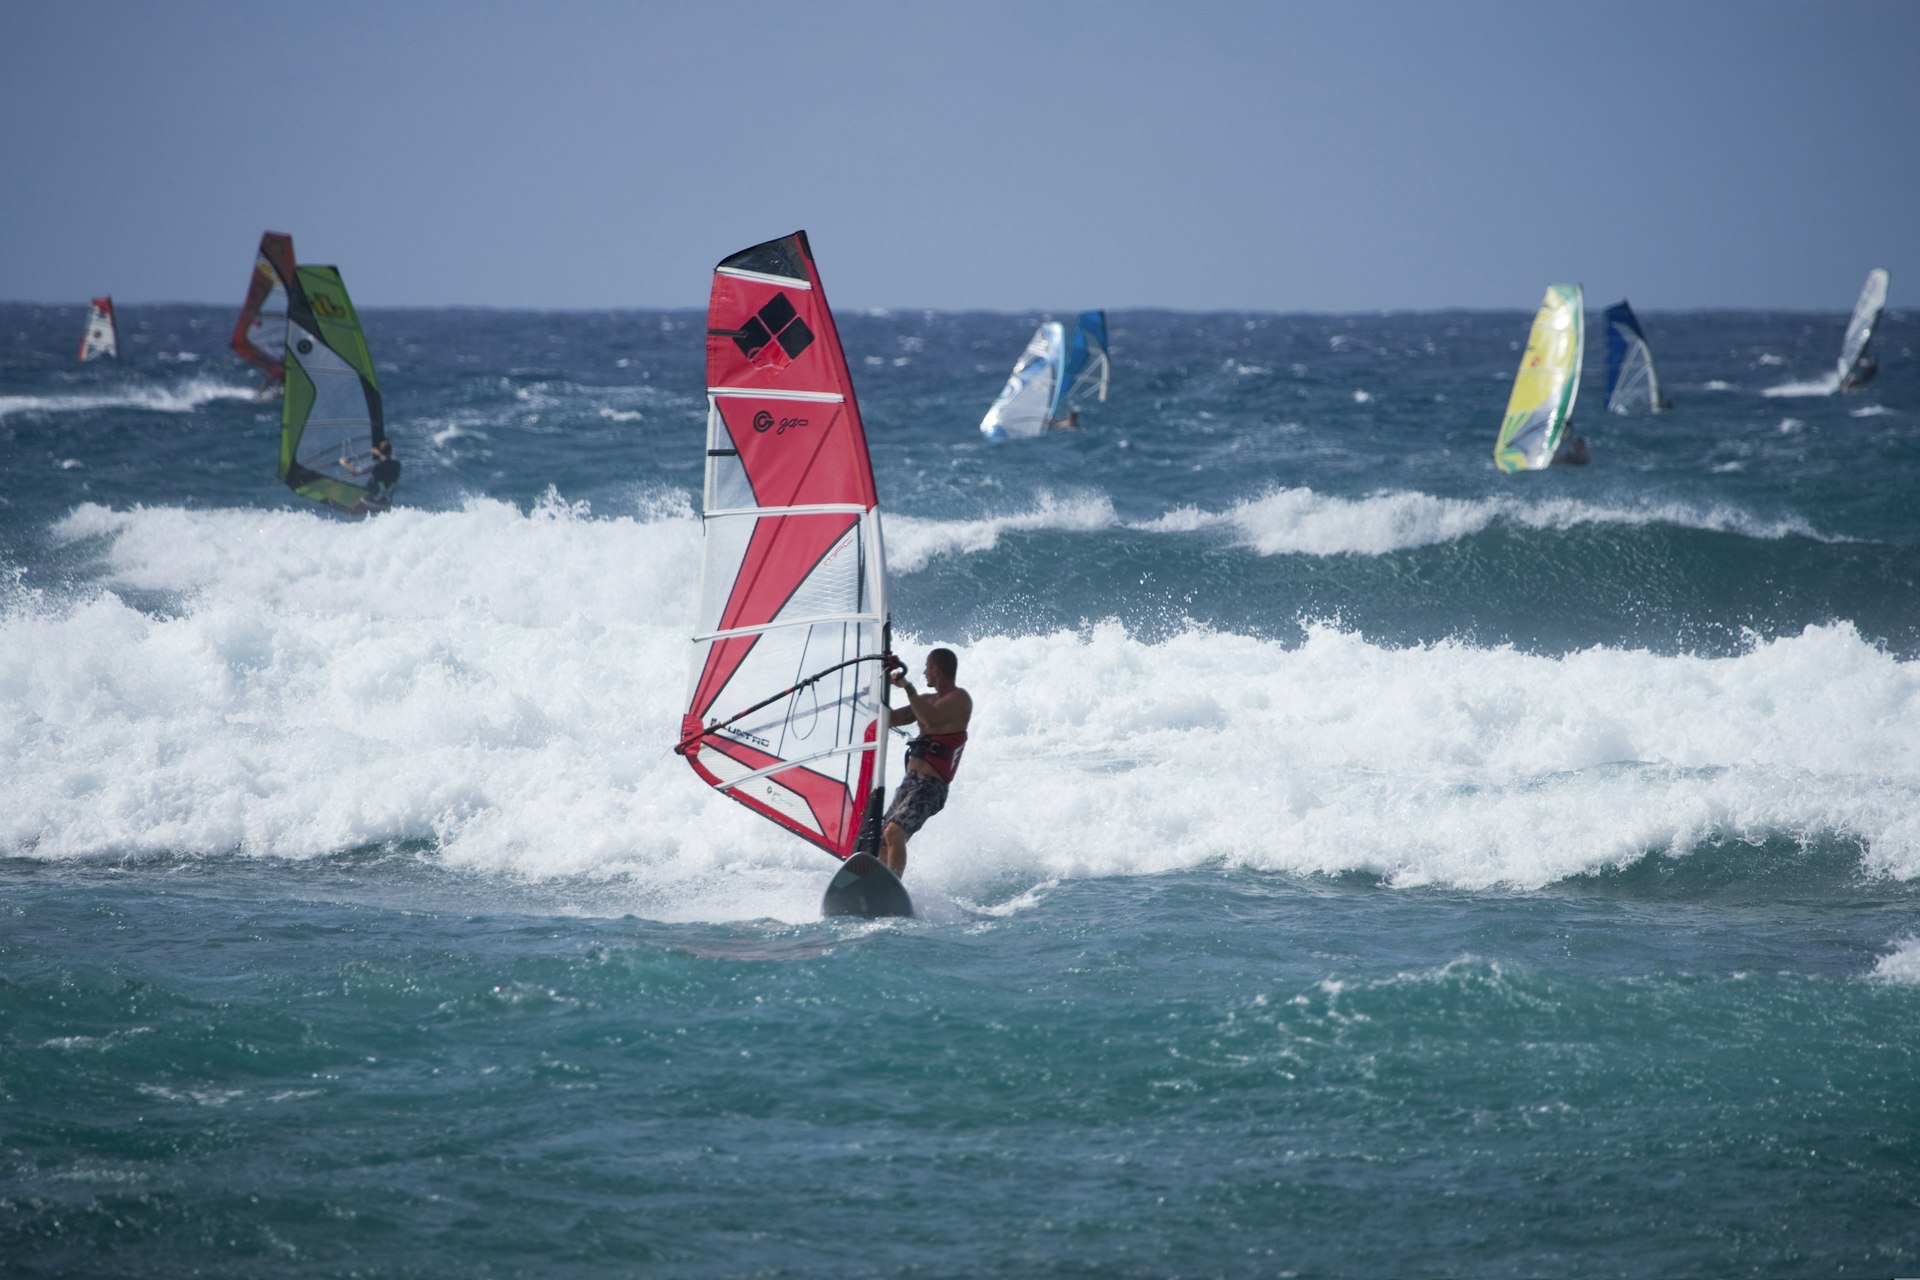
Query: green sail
x=331, y=418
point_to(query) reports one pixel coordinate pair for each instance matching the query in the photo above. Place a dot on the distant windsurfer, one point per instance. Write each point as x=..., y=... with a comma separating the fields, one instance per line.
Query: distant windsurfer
x=1573, y=449
x=932, y=757
x=1069, y=423
x=1860, y=375
x=382, y=476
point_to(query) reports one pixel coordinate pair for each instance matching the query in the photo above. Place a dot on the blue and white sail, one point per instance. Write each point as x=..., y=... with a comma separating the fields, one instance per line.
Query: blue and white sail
x=1059, y=368
x=1085, y=375
x=1856, y=366
x=1633, y=385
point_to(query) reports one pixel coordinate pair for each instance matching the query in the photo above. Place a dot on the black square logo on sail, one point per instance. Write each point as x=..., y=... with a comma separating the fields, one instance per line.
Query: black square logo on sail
x=751, y=336
x=796, y=338
x=777, y=319
x=778, y=313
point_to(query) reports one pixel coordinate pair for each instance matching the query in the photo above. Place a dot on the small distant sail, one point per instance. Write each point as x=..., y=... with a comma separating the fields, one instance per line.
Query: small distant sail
x=102, y=336
x=1025, y=406
x=1058, y=368
x=1856, y=366
x=1632, y=384
x=332, y=408
x=786, y=706
x=260, y=334
x=1545, y=387
x=1085, y=372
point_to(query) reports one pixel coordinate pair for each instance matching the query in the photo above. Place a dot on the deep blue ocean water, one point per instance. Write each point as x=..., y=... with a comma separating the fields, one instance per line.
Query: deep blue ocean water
x=1365, y=863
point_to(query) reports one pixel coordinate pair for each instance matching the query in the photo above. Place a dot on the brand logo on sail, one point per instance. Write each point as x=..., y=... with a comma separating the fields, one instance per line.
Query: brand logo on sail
x=764, y=422
x=774, y=336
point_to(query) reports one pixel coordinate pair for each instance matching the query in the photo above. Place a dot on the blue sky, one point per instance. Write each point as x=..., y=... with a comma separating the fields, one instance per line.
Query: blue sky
x=1200, y=155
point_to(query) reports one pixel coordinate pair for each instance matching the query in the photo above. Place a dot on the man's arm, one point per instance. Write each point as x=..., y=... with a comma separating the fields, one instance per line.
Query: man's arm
x=937, y=713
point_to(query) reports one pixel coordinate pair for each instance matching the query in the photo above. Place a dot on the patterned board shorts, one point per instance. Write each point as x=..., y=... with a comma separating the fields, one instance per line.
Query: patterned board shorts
x=919, y=798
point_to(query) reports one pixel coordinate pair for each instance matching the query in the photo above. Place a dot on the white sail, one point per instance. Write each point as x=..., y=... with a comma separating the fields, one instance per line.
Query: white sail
x=1026, y=402
x=103, y=336
x=1866, y=314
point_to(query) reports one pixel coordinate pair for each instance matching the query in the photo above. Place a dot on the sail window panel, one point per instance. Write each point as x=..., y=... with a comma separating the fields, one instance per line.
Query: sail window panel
x=837, y=584
x=729, y=489
x=726, y=547
x=830, y=713
x=819, y=720
x=339, y=422
x=727, y=485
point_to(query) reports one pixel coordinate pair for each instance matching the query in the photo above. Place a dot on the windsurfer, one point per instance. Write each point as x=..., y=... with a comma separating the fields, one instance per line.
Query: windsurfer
x=932, y=758
x=1069, y=423
x=382, y=476
x=1861, y=374
x=1572, y=450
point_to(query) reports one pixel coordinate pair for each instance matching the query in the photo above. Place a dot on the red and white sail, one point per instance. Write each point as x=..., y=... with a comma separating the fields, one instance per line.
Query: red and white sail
x=260, y=334
x=787, y=695
x=102, y=337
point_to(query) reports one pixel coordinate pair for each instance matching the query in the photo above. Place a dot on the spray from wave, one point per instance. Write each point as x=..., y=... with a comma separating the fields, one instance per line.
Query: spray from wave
x=501, y=688
x=1298, y=521
x=183, y=398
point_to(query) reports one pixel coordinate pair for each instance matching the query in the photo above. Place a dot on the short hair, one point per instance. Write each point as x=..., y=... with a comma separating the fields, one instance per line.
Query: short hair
x=947, y=660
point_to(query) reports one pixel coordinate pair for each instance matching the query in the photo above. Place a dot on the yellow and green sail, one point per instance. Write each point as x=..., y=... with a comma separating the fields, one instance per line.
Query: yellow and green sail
x=1543, y=391
x=331, y=418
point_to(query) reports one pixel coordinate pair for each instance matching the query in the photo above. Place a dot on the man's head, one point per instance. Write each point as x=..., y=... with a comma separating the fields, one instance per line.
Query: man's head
x=383, y=450
x=942, y=666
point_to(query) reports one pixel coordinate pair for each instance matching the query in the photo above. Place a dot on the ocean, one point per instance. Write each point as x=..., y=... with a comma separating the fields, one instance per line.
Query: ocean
x=1365, y=863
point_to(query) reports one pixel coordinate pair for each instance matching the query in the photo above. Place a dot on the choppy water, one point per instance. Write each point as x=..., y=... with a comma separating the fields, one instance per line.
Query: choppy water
x=1365, y=862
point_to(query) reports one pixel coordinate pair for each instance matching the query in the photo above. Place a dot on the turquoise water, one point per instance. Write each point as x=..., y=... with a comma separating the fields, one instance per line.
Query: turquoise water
x=1365, y=862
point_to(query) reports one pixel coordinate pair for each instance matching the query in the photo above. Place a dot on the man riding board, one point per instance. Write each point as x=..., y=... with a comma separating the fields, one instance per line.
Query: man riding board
x=932, y=757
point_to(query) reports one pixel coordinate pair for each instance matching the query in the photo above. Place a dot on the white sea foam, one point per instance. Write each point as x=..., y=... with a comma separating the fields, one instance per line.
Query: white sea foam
x=1302, y=522
x=182, y=398
x=1823, y=386
x=505, y=685
x=1902, y=964
x=913, y=541
x=1871, y=411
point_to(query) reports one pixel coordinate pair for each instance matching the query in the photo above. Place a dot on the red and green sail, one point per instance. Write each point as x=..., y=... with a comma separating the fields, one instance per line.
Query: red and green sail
x=331, y=417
